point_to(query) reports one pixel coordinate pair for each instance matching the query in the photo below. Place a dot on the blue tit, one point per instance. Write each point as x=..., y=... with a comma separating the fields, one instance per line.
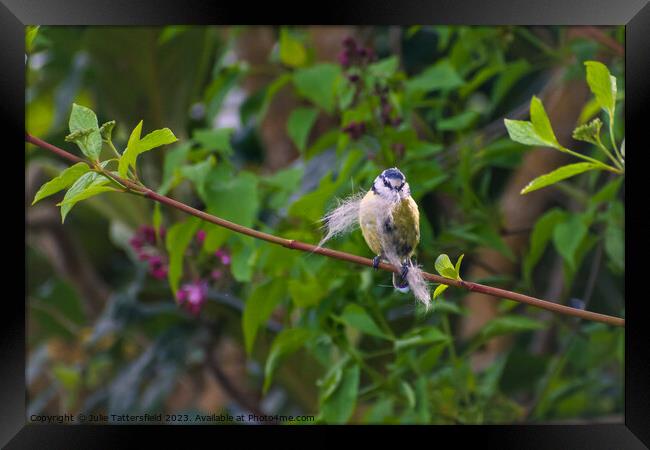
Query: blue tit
x=390, y=223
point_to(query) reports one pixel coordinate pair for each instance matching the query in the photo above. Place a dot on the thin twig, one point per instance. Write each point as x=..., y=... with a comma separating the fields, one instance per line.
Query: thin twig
x=302, y=246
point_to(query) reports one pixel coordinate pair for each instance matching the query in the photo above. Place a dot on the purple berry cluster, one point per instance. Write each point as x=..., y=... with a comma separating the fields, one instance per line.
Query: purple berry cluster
x=143, y=244
x=192, y=295
x=355, y=130
x=354, y=54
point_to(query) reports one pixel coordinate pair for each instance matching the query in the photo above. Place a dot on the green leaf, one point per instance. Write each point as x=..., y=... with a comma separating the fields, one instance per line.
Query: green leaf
x=589, y=132
x=440, y=76
x=356, y=317
x=507, y=325
x=439, y=290
x=299, y=125
x=286, y=342
x=444, y=267
x=155, y=139
x=65, y=179
x=457, y=267
x=174, y=159
x=90, y=142
x=233, y=198
x=272, y=89
x=178, y=238
x=87, y=193
x=603, y=85
x=461, y=121
x=30, y=34
x=157, y=219
x=258, y=309
x=339, y=406
x=567, y=237
x=332, y=378
x=86, y=181
x=243, y=254
x=385, y=68
x=542, y=232
x=541, y=123
x=197, y=173
x=129, y=155
x=409, y=394
x=422, y=336
x=306, y=292
x=218, y=140
x=292, y=51
x=524, y=132
x=560, y=174
x=137, y=146
x=106, y=130
x=318, y=84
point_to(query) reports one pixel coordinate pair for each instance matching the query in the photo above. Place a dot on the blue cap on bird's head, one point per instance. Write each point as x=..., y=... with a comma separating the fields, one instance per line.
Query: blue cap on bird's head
x=392, y=179
x=393, y=173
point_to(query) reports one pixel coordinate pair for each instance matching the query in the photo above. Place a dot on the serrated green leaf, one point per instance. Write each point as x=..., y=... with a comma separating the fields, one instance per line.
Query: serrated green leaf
x=292, y=51
x=357, y=317
x=339, y=406
x=299, y=125
x=541, y=122
x=286, y=342
x=588, y=132
x=560, y=174
x=444, y=267
x=81, y=119
x=318, y=84
x=178, y=238
x=258, y=309
x=603, y=85
x=65, y=179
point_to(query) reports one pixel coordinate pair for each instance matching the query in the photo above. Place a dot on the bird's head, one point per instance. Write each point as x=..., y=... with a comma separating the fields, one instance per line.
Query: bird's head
x=390, y=182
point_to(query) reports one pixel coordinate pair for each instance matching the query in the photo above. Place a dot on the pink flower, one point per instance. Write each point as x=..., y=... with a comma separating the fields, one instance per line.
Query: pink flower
x=157, y=267
x=192, y=296
x=224, y=256
x=200, y=236
x=216, y=274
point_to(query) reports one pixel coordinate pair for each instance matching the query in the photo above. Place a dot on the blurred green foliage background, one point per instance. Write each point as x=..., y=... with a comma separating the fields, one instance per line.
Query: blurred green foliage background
x=275, y=124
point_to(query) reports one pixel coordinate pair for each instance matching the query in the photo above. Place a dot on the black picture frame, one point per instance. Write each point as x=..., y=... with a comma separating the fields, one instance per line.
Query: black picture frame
x=634, y=14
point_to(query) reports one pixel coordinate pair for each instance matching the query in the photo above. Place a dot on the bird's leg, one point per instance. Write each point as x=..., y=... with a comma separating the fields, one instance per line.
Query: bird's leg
x=375, y=262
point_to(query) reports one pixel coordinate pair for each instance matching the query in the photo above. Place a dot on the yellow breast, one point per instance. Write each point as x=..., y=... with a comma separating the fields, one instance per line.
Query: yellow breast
x=405, y=233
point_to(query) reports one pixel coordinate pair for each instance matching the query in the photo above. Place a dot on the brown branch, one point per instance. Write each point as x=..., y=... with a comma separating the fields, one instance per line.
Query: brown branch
x=297, y=245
